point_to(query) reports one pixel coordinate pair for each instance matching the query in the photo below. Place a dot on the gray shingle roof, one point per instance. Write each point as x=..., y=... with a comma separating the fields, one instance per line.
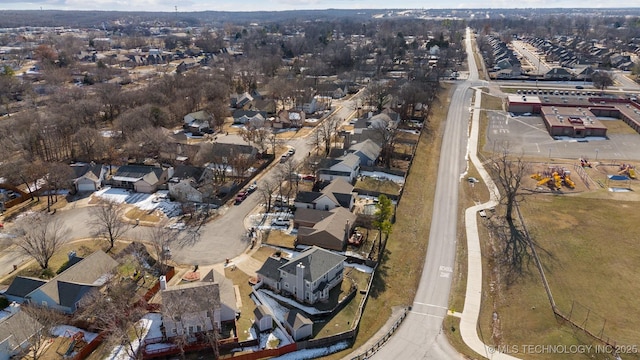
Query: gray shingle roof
x=307, y=196
x=270, y=268
x=317, y=262
x=191, y=298
x=367, y=147
x=310, y=215
x=21, y=286
x=18, y=328
x=89, y=272
x=137, y=171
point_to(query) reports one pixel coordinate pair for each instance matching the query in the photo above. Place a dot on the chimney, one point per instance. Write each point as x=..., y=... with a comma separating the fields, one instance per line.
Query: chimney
x=347, y=227
x=163, y=282
x=300, y=282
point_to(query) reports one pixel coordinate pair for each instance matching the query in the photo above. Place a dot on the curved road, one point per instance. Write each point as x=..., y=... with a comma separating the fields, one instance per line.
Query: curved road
x=420, y=336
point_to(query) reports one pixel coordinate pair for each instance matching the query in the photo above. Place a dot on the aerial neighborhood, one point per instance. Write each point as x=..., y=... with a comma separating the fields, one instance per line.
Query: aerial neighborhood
x=181, y=185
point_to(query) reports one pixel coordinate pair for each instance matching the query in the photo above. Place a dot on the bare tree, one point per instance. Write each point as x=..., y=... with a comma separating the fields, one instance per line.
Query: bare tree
x=114, y=311
x=58, y=178
x=42, y=237
x=266, y=189
x=387, y=134
x=162, y=238
x=509, y=173
x=107, y=221
x=326, y=132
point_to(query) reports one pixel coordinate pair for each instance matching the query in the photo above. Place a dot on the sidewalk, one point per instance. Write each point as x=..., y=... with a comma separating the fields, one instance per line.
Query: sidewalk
x=473, y=296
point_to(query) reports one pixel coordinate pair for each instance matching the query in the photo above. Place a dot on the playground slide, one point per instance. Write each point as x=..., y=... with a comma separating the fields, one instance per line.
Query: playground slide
x=536, y=177
x=569, y=182
x=558, y=180
x=632, y=173
x=543, y=181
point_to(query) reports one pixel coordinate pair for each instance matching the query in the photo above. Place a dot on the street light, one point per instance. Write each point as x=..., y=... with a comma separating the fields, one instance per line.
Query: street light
x=596, y=154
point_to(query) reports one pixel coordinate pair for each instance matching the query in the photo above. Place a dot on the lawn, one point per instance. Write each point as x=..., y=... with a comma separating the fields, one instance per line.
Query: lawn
x=245, y=321
x=149, y=216
x=278, y=238
x=591, y=275
x=396, y=279
x=381, y=186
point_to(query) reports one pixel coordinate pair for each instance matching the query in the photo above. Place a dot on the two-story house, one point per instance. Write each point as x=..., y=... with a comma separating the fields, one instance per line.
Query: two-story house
x=326, y=229
x=199, y=306
x=308, y=277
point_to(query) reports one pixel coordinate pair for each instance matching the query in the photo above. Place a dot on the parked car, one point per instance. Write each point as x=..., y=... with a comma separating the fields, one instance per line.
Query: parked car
x=284, y=158
x=309, y=178
x=291, y=151
x=252, y=188
x=579, y=87
x=280, y=222
x=241, y=196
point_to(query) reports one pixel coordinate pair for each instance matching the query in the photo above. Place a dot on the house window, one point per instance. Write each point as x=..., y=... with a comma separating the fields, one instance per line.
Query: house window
x=198, y=328
x=190, y=329
x=286, y=285
x=174, y=331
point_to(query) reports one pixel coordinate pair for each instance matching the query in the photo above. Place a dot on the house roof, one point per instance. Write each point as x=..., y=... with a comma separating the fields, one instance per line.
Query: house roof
x=197, y=116
x=18, y=328
x=87, y=170
x=307, y=196
x=21, y=286
x=225, y=286
x=136, y=172
x=367, y=147
x=338, y=186
x=187, y=172
x=296, y=320
x=349, y=160
x=71, y=284
x=310, y=215
x=191, y=298
x=270, y=267
x=260, y=312
x=316, y=261
x=330, y=232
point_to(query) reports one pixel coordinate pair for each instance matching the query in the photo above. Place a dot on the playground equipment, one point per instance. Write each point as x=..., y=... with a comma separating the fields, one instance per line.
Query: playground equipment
x=627, y=169
x=554, y=178
x=585, y=163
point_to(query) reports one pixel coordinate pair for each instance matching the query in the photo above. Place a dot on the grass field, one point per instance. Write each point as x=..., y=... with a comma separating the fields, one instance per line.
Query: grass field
x=591, y=275
x=396, y=279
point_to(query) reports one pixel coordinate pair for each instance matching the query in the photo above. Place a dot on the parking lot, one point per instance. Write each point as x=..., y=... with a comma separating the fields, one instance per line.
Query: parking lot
x=528, y=135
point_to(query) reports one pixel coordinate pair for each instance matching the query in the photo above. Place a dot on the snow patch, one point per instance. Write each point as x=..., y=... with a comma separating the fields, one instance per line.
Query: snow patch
x=69, y=331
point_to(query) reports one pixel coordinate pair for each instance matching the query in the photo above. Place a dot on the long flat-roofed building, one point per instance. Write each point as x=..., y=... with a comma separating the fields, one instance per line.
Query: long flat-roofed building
x=572, y=121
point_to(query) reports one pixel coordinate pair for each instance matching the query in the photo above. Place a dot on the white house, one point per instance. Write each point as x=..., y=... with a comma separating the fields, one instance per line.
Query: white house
x=308, y=277
x=338, y=193
x=197, y=121
x=346, y=167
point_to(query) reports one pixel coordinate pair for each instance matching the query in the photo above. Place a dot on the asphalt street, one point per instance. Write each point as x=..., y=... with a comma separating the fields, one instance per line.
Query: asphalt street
x=420, y=335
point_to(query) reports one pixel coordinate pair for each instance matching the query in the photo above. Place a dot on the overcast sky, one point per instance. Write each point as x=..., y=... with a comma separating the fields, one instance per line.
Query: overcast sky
x=254, y=5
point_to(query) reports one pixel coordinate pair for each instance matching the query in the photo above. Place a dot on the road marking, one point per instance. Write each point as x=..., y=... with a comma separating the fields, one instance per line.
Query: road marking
x=445, y=268
x=435, y=306
x=425, y=314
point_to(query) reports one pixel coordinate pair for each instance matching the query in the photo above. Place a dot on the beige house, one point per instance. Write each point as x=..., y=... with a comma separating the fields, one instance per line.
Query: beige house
x=198, y=307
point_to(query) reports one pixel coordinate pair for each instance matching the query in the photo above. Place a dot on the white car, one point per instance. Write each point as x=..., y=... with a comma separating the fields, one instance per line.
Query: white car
x=280, y=222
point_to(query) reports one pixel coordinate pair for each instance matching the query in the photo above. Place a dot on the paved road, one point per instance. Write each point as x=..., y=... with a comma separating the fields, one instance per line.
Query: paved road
x=420, y=335
x=539, y=66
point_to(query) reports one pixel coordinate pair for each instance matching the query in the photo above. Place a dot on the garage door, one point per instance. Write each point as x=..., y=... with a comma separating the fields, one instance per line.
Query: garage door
x=86, y=187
